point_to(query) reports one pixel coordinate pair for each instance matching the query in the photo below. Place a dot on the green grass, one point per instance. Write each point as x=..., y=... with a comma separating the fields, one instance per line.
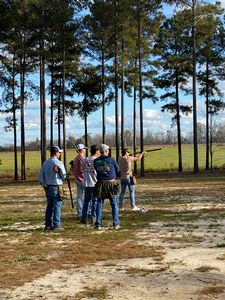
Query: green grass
x=164, y=160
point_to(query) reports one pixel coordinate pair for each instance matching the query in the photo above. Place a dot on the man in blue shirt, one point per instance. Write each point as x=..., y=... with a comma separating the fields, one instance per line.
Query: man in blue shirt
x=51, y=177
x=106, y=188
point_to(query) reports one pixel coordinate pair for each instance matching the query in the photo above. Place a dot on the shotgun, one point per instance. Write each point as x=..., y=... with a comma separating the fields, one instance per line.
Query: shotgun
x=149, y=150
x=71, y=195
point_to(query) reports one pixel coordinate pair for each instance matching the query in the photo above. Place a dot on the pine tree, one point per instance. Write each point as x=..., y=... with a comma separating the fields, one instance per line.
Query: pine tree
x=176, y=68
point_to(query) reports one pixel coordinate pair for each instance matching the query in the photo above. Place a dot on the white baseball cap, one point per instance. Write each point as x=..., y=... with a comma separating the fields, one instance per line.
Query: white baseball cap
x=103, y=148
x=81, y=146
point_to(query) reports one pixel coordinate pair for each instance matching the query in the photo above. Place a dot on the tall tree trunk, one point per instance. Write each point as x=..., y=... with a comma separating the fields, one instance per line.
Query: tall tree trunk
x=140, y=92
x=195, y=138
x=103, y=95
x=59, y=114
x=207, y=116
x=85, y=126
x=211, y=142
x=63, y=106
x=22, y=97
x=134, y=119
x=42, y=96
x=180, y=166
x=14, y=124
x=116, y=83
x=122, y=96
x=51, y=108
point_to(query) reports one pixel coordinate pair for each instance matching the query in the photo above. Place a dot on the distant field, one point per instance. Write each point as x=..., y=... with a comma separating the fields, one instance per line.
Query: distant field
x=164, y=160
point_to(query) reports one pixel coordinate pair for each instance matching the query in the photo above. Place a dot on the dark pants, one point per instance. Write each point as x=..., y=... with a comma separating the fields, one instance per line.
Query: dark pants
x=89, y=198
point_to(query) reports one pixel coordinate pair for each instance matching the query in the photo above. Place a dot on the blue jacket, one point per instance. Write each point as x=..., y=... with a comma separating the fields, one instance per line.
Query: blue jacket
x=106, y=168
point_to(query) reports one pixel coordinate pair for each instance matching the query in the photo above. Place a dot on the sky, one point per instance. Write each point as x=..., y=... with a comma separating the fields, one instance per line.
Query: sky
x=154, y=119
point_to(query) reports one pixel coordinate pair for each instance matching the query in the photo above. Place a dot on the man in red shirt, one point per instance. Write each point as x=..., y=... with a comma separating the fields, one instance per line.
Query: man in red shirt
x=77, y=169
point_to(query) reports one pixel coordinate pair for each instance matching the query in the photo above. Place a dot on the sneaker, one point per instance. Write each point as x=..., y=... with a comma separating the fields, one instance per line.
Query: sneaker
x=98, y=228
x=49, y=228
x=135, y=208
x=117, y=227
x=58, y=229
x=83, y=221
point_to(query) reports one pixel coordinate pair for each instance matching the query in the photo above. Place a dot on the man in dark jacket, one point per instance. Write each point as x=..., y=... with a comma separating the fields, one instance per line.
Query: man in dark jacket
x=106, y=188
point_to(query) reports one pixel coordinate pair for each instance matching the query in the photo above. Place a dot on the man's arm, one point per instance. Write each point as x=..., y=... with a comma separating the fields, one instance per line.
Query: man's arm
x=137, y=157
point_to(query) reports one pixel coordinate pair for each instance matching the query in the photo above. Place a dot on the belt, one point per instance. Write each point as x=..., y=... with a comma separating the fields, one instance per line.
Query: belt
x=106, y=180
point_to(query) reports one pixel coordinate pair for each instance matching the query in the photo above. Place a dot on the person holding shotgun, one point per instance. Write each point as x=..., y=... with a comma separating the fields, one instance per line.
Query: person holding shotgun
x=51, y=177
x=126, y=172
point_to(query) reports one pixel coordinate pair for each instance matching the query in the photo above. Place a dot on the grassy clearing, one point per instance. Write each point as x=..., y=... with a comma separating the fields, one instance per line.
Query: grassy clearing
x=164, y=160
x=26, y=249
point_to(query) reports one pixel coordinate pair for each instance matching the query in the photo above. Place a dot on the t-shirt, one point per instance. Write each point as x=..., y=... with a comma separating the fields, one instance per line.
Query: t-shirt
x=90, y=174
x=106, y=168
x=125, y=166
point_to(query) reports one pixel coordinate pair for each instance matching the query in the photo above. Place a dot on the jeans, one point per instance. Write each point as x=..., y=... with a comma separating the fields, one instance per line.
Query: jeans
x=89, y=200
x=80, y=198
x=54, y=204
x=115, y=214
x=131, y=187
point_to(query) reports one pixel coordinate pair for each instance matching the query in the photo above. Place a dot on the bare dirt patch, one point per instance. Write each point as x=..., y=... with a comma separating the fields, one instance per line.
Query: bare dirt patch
x=175, y=250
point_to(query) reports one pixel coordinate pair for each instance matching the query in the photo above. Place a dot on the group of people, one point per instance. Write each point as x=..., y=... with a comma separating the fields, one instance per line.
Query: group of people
x=95, y=178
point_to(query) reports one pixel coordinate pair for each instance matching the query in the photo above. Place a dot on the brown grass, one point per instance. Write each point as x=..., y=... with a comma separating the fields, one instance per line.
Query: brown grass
x=34, y=257
x=96, y=293
x=144, y=272
x=204, y=269
x=212, y=290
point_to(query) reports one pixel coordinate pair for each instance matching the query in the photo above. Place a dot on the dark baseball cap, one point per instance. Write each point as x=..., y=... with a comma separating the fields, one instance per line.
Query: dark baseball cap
x=56, y=149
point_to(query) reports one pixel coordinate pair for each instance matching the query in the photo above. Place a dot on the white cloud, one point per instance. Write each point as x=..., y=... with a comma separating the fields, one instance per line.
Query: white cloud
x=222, y=3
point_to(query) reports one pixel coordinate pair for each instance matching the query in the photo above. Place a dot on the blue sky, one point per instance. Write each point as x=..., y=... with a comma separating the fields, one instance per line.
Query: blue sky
x=154, y=119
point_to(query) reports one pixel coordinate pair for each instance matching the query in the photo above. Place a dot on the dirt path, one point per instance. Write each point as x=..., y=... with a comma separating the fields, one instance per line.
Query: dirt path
x=192, y=265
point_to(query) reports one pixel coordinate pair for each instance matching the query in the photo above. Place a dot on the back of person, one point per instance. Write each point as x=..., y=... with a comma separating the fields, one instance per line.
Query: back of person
x=77, y=168
x=125, y=166
x=106, y=168
x=89, y=179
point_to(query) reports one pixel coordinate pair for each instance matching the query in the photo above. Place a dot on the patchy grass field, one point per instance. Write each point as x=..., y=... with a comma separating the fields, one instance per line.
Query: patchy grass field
x=164, y=160
x=175, y=250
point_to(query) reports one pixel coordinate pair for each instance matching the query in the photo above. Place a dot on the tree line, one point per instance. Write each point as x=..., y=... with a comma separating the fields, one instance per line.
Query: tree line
x=88, y=54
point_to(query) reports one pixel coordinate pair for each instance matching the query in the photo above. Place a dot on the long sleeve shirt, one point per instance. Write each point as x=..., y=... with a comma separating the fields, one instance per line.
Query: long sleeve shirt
x=47, y=175
x=77, y=168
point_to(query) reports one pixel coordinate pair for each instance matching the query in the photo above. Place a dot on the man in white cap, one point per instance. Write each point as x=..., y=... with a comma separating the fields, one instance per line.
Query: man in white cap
x=51, y=177
x=106, y=188
x=77, y=169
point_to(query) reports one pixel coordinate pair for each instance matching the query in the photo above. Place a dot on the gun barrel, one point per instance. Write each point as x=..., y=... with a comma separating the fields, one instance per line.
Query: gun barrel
x=71, y=195
x=151, y=150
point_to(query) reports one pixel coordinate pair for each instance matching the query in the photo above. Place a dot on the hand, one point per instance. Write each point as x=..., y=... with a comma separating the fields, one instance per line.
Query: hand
x=56, y=169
